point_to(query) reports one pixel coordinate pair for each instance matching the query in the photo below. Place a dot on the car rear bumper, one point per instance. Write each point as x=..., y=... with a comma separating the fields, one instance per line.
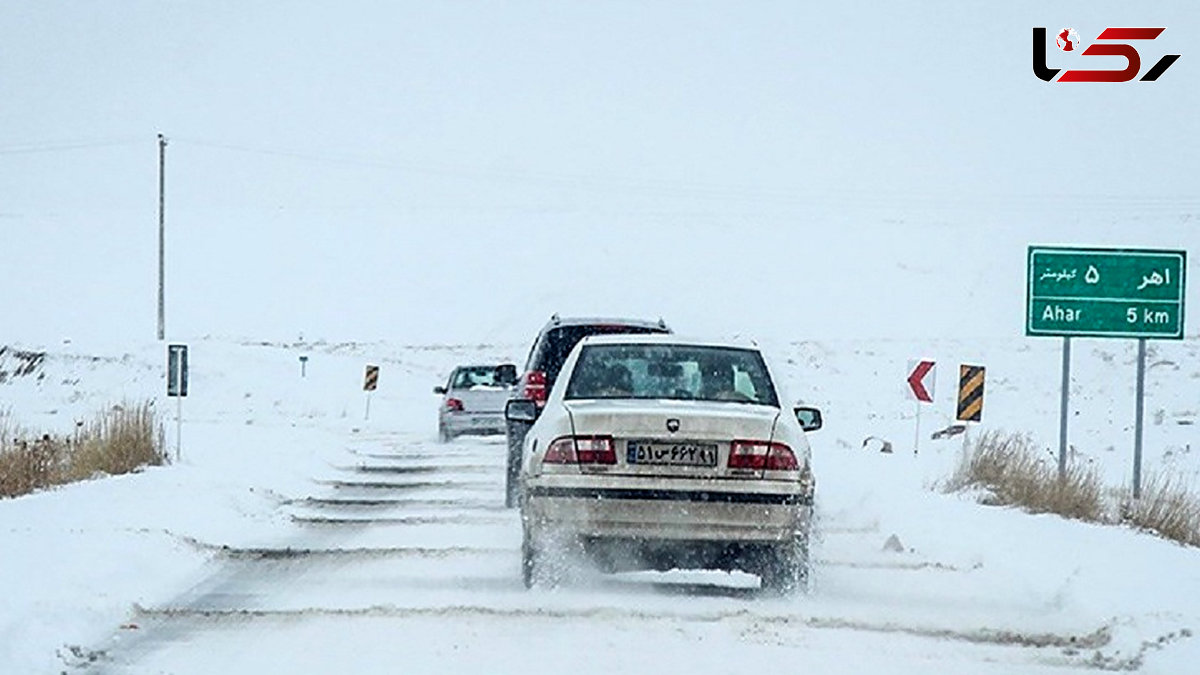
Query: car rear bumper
x=474, y=423
x=698, y=514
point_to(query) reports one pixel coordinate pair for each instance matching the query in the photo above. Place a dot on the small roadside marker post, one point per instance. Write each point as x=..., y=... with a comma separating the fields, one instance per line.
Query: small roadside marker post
x=921, y=380
x=370, y=382
x=177, y=387
x=303, y=364
x=970, y=393
x=970, y=397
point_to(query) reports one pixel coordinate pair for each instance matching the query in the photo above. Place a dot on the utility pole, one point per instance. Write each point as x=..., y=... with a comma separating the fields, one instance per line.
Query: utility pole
x=162, y=183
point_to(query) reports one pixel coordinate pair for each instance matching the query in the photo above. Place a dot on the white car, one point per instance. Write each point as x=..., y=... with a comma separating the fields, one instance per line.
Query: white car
x=654, y=452
x=473, y=400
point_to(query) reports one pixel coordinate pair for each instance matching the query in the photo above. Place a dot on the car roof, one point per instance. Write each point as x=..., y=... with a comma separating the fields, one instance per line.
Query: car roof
x=663, y=339
x=558, y=322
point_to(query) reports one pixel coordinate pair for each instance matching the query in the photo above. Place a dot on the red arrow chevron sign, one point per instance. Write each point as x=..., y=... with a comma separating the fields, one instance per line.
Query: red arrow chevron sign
x=919, y=372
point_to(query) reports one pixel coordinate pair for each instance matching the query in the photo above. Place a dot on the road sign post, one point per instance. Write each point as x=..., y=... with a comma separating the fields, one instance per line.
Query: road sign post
x=370, y=382
x=177, y=387
x=1063, y=405
x=1104, y=293
x=1137, y=423
x=921, y=381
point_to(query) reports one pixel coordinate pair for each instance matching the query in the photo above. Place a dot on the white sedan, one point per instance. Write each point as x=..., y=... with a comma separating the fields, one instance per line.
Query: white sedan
x=654, y=452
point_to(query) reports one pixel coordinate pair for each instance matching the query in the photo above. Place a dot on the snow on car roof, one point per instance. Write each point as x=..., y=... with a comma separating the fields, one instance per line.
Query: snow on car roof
x=663, y=339
x=598, y=320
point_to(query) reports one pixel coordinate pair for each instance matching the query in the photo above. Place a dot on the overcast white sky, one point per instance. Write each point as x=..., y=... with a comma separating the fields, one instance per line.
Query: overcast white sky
x=455, y=171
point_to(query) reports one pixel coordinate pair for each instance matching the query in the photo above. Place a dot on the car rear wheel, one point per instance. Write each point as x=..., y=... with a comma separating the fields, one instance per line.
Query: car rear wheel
x=784, y=568
x=545, y=561
x=444, y=435
x=528, y=562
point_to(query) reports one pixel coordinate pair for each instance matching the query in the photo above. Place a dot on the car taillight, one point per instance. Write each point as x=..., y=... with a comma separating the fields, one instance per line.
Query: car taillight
x=581, y=450
x=535, y=387
x=762, y=455
x=454, y=404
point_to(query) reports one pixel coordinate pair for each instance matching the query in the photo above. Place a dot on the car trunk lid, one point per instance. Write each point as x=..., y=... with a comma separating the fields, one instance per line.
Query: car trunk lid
x=672, y=438
x=482, y=398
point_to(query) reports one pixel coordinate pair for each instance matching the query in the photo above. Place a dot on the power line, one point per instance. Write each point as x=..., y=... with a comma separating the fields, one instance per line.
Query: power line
x=818, y=197
x=64, y=146
x=814, y=196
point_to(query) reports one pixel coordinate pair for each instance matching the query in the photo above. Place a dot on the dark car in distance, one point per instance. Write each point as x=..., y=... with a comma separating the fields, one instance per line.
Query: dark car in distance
x=550, y=349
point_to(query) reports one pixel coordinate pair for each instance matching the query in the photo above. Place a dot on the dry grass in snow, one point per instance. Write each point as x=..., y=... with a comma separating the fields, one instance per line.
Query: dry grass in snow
x=119, y=440
x=1012, y=472
x=1167, y=507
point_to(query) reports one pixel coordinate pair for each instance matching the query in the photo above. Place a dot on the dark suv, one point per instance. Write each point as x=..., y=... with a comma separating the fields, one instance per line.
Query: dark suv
x=554, y=342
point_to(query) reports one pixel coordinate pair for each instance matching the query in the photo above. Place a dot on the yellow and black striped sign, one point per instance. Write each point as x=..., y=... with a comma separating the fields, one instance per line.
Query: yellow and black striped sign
x=372, y=379
x=970, y=393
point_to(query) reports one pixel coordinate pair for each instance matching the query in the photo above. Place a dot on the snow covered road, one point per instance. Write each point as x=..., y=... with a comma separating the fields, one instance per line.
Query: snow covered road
x=403, y=559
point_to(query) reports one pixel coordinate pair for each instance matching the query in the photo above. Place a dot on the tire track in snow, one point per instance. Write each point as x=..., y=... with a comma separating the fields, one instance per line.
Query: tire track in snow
x=1093, y=639
x=396, y=502
x=901, y=566
x=440, y=457
x=420, y=469
x=302, y=552
x=344, y=484
x=449, y=519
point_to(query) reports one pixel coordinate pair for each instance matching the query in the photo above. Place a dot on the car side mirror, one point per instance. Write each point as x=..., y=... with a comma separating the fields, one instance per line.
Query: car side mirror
x=439, y=389
x=520, y=410
x=809, y=418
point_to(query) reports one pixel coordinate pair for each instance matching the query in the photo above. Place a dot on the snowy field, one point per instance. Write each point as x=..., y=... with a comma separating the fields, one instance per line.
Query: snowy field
x=296, y=536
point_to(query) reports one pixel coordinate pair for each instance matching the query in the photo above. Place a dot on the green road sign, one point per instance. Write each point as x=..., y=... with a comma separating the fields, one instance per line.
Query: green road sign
x=1095, y=292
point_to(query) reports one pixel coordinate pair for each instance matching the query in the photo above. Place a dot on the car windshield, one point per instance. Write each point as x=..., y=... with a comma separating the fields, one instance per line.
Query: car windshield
x=679, y=372
x=483, y=376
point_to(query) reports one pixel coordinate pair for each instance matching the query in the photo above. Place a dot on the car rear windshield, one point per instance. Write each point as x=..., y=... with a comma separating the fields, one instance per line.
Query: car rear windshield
x=484, y=377
x=679, y=372
x=557, y=344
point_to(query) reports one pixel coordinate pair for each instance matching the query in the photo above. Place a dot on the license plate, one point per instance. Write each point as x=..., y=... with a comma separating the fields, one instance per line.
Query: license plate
x=673, y=454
